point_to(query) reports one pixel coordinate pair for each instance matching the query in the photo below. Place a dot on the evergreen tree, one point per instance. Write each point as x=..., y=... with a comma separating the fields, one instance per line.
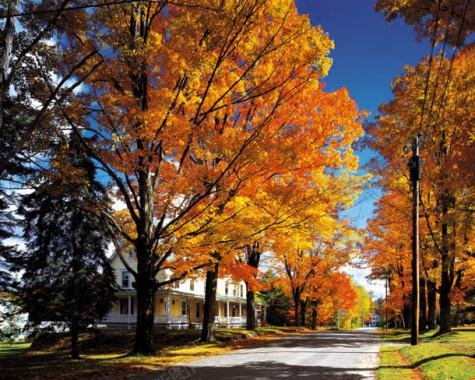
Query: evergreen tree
x=67, y=276
x=6, y=229
x=277, y=302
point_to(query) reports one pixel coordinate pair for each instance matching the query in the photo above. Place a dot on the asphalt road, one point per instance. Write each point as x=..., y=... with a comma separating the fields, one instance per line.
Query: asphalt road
x=326, y=355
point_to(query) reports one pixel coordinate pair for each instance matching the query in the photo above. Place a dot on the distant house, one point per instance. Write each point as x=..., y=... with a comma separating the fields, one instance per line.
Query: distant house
x=180, y=305
x=375, y=320
x=12, y=322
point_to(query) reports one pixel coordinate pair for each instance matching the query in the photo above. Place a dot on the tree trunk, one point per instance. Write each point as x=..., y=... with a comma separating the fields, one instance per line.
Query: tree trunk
x=8, y=33
x=253, y=259
x=146, y=289
x=297, y=308
x=445, y=285
x=251, y=309
x=314, y=318
x=145, y=281
x=303, y=313
x=406, y=313
x=431, y=303
x=74, y=332
x=207, y=334
x=422, y=305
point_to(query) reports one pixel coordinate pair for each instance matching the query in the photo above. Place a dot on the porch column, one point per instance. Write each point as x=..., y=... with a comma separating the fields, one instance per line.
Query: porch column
x=227, y=311
x=129, y=306
x=240, y=313
x=169, y=305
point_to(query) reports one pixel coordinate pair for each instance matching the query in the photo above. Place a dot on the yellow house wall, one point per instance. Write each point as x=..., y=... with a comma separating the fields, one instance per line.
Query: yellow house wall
x=176, y=307
x=193, y=305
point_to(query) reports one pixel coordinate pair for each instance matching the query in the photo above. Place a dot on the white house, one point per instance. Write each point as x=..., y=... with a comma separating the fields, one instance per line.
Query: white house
x=180, y=305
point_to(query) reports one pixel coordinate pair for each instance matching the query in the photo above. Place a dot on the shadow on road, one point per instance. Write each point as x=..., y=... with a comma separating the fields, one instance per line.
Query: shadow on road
x=276, y=370
x=326, y=355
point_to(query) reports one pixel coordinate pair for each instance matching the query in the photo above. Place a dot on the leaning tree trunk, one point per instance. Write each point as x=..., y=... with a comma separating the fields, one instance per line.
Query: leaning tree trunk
x=431, y=305
x=207, y=334
x=422, y=305
x=303, y=313
x=250, y=309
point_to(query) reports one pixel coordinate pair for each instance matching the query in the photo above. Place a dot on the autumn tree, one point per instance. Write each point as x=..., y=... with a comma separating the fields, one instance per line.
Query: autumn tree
x=450, y=20
x=340, y=303
x=447, y=186
x=170, y=106
x=38, y=76
x=306, y=259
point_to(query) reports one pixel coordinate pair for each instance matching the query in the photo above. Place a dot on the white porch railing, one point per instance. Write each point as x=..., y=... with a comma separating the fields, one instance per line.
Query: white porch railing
x=163, y=319
x=120, y=318
x=234, y=321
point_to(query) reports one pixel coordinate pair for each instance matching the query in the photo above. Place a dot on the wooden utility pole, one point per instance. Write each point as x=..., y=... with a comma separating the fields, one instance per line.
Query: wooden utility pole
x=415, y=176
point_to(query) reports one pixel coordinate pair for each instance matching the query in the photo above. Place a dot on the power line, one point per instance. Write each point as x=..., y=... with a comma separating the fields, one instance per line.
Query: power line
x=441, y=60
x=457, y=44
x=431, y=57
x=104, y=4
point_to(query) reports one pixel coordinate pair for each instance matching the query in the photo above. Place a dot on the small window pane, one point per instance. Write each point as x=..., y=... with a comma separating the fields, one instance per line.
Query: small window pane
x=125, y=279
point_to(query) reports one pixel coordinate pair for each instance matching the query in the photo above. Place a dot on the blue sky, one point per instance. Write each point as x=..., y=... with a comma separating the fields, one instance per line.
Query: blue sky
x=368, y=54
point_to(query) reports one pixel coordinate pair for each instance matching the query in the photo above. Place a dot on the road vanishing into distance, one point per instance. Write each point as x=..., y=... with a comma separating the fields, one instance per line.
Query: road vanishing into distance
x=325, y=355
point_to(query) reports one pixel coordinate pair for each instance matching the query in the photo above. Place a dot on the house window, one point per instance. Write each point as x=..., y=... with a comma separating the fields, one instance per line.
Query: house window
x=225, y=310
x=183, y=307
x=226, y=288
x=242, y=291
x=234, y=290
x=198, y=308
x=125, y=280
x=192, y=285
x=124, y=306
x=176, y=284
x=234, y=311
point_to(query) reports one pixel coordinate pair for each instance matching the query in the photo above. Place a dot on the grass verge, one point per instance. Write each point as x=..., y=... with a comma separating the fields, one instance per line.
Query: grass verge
x=437, y=357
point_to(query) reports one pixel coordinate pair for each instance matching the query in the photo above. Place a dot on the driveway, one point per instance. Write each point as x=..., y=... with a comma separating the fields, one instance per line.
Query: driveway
x=325, y=355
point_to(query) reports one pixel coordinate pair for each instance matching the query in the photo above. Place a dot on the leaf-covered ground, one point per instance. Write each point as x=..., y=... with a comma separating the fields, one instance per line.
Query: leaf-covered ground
x=104, y=353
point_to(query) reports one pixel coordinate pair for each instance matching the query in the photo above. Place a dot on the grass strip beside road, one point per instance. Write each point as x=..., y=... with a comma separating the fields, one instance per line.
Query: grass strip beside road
x=437, y=357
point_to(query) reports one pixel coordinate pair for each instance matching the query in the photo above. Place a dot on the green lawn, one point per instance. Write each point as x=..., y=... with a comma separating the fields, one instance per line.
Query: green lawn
x=437, y=357
x=7, y=349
